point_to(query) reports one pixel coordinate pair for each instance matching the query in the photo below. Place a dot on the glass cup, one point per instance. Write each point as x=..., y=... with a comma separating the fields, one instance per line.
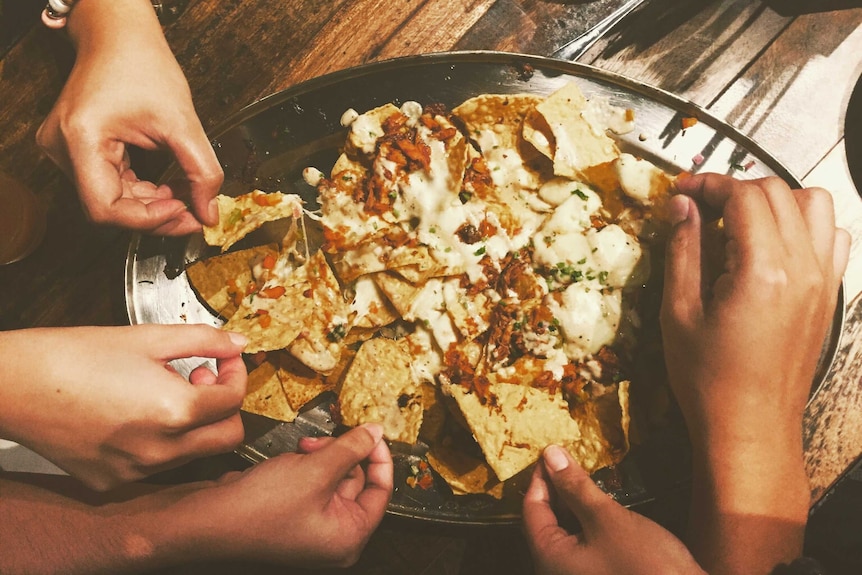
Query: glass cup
x=22, y=220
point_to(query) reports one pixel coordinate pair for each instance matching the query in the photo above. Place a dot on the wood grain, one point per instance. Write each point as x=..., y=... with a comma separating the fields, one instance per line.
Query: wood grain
x=792, y=98
x=782, y=78
x=719, y=43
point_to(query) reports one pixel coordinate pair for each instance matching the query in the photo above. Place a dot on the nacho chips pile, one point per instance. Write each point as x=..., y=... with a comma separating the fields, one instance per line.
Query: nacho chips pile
x=477, y=289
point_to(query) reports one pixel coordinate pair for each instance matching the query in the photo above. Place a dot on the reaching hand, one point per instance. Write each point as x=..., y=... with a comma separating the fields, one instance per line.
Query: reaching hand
x=741, y=353
x=126, y=89
x=107, y=408
x=741, y=358
x=315, y=508
x=614, y=540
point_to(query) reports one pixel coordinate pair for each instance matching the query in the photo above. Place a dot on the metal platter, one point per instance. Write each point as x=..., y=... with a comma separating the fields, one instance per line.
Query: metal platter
x=269, y=143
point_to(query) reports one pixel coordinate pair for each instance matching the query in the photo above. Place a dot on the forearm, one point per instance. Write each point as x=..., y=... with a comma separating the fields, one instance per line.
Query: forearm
x=98, y=25
x=48, y=527
x=749, y=506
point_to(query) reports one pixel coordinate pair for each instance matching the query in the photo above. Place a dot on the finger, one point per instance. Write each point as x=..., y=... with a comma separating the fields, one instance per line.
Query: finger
x=169, y=342
x=378, y=477
x=212, y=403
x=202, y=375
x=214, y=438
x=681, y=301
x=96, y=167
x=182, y=224
x=786, y=214
x=841, y=255
x=818, y=214
x=311, y=444
x=204, y=175
x=576, y=489
x=541, y=526
x=352, y=484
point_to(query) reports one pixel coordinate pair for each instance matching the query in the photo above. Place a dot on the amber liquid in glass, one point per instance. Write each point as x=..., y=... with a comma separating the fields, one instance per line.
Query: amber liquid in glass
x=22, y=220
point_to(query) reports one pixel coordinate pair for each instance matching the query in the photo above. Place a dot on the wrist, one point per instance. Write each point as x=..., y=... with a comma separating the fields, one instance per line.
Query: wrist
x=100, y=24
x=765, y=477
x=166, y=527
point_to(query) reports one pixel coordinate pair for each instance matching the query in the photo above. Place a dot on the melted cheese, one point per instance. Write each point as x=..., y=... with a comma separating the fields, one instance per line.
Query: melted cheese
x=588, y=318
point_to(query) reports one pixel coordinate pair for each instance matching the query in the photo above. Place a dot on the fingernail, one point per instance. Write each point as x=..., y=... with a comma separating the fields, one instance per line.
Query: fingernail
x=237, y=339
x=212, y=210
x=679, y=209
x=555, y=458
x=375, y=429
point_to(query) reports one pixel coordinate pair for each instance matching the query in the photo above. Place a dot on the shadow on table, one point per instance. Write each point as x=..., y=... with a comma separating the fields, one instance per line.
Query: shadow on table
x=834, y=533
x=799, y=7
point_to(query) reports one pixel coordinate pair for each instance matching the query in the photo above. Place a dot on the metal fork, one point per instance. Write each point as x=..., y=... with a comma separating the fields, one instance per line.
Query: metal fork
x=577, y=47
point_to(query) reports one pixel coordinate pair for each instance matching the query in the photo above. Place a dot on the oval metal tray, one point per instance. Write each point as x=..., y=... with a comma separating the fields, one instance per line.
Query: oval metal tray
x=268, y=144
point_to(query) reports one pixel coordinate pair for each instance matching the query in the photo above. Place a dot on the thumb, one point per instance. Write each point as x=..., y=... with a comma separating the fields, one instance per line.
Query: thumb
x=681, y=300
x=576, y=488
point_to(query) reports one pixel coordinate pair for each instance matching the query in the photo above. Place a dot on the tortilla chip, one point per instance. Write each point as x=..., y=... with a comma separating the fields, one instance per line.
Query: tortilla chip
x=379, y=387
x=434, y=414
x=463, y=473
x=272, y=323
x=221, y=280
x=398, y=291
x=469, y=313
x=370, y=306
x=300, y=383
x=265, y=396
x=318, y=345
x=577, y=145
x=537, y=131
x=604, y=423
x=367, y=128
x=501, y=113
x=516, y=425
x=243, y=214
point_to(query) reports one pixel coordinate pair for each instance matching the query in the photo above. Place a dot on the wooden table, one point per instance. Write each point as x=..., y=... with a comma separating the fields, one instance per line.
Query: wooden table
x=781, y=75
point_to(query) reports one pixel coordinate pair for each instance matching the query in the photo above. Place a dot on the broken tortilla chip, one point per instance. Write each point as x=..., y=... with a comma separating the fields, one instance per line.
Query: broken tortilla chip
x=243, y=214
x=578, y=145
x=300, y=383
x=604, y=425
x=265, y=396
x=463, y=473
x=221, y=281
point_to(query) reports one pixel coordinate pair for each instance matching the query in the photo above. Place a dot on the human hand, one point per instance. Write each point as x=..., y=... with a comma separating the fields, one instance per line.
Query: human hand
x=103, y=403
x=741, y=356
x=614, y=540
x=315, y=508
x=126, y=89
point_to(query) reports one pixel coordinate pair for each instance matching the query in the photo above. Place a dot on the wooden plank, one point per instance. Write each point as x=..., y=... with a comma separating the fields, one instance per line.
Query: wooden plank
x=396, y=29
x=832, y=174
x=231, y=51
x=534, y=27
x=792, y=99
x=687, y=48
x=832, y=428
x=831, y=421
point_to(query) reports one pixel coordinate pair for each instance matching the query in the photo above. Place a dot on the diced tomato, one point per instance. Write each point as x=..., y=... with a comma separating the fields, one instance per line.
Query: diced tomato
x=273, y=292
x=264, y=319
x=268, y=262
x=426, y=481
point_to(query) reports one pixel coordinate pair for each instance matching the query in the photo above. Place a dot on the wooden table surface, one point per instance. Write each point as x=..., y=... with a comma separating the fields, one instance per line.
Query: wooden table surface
x=781, y=72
